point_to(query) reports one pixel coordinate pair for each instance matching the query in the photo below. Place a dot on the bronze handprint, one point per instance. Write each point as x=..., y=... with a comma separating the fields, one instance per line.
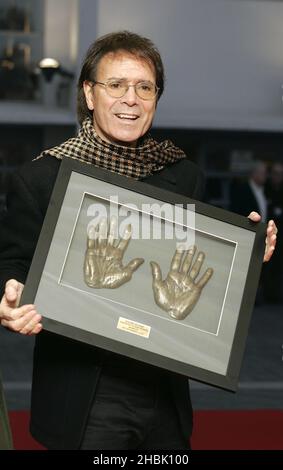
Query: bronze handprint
x=179, y=292
x=103, y=257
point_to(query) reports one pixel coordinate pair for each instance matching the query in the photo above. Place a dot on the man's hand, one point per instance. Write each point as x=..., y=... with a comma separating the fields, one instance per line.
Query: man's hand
x=271, y=235
x=103, y=258
x=179, y=292
x=25, y=319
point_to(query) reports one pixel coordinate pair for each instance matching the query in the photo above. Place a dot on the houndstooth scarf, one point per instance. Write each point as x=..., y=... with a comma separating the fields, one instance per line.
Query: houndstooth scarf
x=137, y=163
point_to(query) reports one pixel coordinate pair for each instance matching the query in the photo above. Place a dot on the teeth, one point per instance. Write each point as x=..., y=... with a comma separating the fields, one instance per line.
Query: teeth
x=126, y=116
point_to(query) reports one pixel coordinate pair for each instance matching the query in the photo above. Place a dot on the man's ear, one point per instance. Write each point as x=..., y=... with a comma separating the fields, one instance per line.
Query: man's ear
x=88, y=91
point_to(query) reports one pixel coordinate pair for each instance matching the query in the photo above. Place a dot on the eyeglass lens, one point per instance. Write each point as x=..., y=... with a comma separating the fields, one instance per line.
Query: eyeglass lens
x=117, y=89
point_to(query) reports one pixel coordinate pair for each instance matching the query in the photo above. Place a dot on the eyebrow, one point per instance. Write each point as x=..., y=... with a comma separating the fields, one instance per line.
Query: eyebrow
x=126, y=79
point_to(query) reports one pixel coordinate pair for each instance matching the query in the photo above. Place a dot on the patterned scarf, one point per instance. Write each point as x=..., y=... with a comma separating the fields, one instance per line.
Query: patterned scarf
x=137, y=163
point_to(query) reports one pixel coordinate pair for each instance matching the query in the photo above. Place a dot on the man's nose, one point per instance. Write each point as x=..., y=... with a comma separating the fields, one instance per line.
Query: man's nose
x=130, y=97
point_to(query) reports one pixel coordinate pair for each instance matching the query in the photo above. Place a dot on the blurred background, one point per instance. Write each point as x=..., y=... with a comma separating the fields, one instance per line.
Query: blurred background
x=222, y=104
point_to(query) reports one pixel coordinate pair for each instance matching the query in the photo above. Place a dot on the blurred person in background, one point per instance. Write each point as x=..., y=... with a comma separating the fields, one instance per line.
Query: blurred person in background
x=250, y=195
x=274, y=270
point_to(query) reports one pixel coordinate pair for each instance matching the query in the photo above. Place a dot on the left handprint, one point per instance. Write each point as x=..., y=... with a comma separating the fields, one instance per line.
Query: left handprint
x=103, y=266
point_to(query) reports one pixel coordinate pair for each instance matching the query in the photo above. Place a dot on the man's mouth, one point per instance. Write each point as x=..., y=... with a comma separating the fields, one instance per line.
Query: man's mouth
x=128, y=117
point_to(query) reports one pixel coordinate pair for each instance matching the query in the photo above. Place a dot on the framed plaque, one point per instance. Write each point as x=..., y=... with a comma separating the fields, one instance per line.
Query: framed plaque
x=146, y=273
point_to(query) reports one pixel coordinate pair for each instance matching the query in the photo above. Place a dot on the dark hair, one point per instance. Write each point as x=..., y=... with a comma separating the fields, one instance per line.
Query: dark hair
x=139, y=46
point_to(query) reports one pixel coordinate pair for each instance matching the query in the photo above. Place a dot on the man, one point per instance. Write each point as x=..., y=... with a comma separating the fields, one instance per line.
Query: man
x=249, y=195
x=83, y=397
x=274, y=270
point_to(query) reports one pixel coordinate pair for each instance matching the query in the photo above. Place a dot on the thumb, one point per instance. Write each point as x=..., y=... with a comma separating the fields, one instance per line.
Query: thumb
x=254, y=216
x=13, y=290
x=156, y=271
x=134, y=264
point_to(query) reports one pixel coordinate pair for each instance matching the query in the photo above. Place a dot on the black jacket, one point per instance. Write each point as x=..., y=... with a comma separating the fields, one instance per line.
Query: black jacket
x=65, y=371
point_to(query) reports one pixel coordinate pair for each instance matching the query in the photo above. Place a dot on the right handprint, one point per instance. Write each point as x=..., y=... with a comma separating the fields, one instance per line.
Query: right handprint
x=180, y=291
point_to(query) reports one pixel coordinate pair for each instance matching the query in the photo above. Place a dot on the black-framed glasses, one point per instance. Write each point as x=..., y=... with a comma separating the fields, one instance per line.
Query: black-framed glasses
x=117, y=88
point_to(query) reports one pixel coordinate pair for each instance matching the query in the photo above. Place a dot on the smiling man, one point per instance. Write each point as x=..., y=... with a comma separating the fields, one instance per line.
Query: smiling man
x=122, y=97
x=84, y=397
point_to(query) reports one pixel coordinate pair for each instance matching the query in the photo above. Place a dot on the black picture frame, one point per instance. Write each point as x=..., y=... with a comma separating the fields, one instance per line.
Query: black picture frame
x=208, y=345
